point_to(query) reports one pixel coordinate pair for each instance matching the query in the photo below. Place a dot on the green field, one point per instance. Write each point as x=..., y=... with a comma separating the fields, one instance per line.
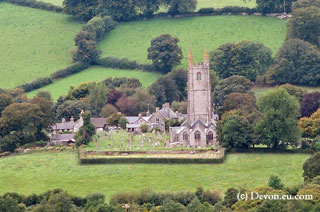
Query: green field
x=132, y=39
x=39, y=172
x=33, y=43
x=201, y=3
x=95, y=74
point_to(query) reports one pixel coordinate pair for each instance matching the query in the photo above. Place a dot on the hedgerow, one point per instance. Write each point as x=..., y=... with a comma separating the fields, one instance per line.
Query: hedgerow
x=36, y=4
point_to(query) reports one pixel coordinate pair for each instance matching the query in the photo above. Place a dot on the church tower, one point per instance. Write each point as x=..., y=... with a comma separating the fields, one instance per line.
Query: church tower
x=199, y=89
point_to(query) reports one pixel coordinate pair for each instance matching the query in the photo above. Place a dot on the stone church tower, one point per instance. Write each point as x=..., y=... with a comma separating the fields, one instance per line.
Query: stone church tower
x=199, y=89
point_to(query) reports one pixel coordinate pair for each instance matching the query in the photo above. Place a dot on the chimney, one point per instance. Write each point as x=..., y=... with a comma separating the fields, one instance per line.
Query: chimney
x=140, y=115
x=63, y=120
x=72, y=119
x=157, y=109
x=148, y=113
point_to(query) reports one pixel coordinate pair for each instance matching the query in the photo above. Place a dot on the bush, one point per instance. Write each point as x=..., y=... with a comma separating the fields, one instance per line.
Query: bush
x=35, y=144
x=275, y=182
x=206, y=10
x=38, y=83
x=73, y=69
x=144, y=128
x=99, y=26
x=37, y=4
x=119, y=63
x=235, y=10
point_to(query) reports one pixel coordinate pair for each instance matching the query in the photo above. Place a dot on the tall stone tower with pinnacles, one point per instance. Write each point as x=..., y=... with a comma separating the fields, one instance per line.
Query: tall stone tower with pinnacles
x=199, y=129
x=199, y=89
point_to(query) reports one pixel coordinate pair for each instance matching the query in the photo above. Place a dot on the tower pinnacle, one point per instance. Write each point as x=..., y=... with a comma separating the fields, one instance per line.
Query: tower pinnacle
x=206, y=56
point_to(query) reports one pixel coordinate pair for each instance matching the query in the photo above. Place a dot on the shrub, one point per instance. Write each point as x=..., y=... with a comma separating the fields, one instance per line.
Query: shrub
x=73, y=69
x=275, y=182
x=38, y=83
x=311, y=167
x=206, y=10
x=235, y=10
x=119, y=63
x=35, y=144
x=144, y=128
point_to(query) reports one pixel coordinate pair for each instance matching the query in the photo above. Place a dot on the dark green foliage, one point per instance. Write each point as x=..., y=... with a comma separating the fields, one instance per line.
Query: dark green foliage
x=99, y=26
x=81, y=9
x=87, y=51
x=165, y=53
x=305, y=3
x=45, y=95
x=279, y=123
x=310, y=104
x=35, y=144
x=70, y=109
x=171, y=206
x=180, y=6
x=8, y=143
x=235, y=10
x=120, y=63
x=97, y=98
x=8, y=204
x=298, y=62
x=148, y=7
x=247, y=58
x=230, y=197
x=38, y=83
x=37, y=4
x=311, y=167
x=57, y=202
x=274, y=6
x=236, y=132
x=85, y=133
x=275, y=182
x=206, y=10
x=230, y=85
x=271, y=206
x=122, y=122
x=73, y=69
x=120, y=10
x=117, y=82
x=114, y=119
x=5, y=101
x=294, y=91
x=305, y=25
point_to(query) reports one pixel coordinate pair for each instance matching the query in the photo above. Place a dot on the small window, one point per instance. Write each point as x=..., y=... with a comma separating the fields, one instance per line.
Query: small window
x=197, y=136
x=185, y=136
x=157, y=120
x=176, y=138
x=198, y=76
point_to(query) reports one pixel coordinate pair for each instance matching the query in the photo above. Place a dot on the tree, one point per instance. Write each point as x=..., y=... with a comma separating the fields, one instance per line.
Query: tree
x=236, y=132
x=180, y=6
x=180, y=78
x=87, y=51
x=310, y=103
x=114, y=119
x=247, y=58
x=79, y=92
x=294, y=91
x=85, y=133
x=108, y=110
x=123, y=122
x=297, y=62
x=10, y=204
x=305, y=25
x=44, y=94
x=127, y=105
x=230, y=85
x=171, y=206
x=120, y=10
x=5, y=101
x=310, y=126
x=275, y=182
x=24, y=122
x=271, y=206
x=70, y=109
x=60, y=201
x=279, y=123
x=114, y=95
x=81, y=9
x=144, y=128
x=274, y=6
x=311, y=167
x=230, y=197
x=181, y=107
x=165, y=90
x=165, y=53
x=305, y=3
x=97, y=98
x=148, y=7
x=144, y=100
x=46, y=108
x=235, y=101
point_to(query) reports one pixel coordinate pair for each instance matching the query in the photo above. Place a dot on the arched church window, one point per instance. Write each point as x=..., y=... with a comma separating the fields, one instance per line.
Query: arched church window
x=185, y=136
x=210, y=138
x=197, y=136
x=198, y=76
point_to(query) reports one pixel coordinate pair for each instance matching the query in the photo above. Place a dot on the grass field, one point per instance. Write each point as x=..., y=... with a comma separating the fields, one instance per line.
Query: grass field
x=95, y=74
x=33, y=43
x=132, y=39
x=258, y=92
x=39, y=172
x=201, y=3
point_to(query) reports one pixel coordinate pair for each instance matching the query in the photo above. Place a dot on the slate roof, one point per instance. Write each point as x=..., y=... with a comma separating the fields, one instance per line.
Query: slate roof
x=62, y=137
x=133, y=119
x=64, y=125
x=99, y=122
x=168, y=113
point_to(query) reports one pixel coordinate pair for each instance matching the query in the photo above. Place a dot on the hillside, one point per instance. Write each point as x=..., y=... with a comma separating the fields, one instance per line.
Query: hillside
x=33, y=43
x=95, y=74
x=132, y=39
x=39, y=172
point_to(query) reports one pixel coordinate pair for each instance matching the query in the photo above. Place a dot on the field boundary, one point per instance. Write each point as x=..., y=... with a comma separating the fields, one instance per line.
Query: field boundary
x=112, y=157
x=36, y=4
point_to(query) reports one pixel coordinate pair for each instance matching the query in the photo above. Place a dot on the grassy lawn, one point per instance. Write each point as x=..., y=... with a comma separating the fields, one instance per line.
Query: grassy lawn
x=132, y=39
x=39, y=172
x=95, y=74
x=33, y=43
x=55, y=2
x=258, y=92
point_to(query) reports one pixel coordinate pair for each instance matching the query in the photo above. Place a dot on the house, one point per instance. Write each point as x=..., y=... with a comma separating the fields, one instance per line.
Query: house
x=199, y=129
x=62, y=139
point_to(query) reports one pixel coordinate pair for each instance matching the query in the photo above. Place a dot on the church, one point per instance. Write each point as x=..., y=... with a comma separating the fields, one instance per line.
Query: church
x=199, y=129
